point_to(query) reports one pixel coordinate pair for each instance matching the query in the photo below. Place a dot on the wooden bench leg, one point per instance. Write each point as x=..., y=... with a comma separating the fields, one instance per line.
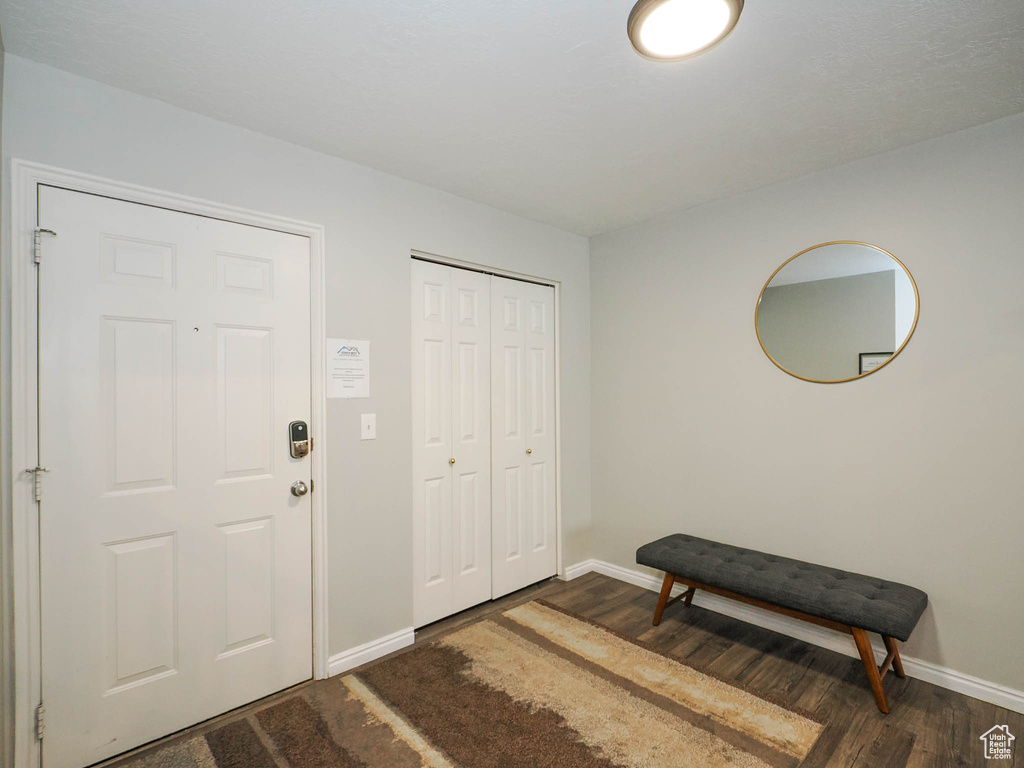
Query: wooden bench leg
x=867, y=655
x=666, y=590
x=897, y=662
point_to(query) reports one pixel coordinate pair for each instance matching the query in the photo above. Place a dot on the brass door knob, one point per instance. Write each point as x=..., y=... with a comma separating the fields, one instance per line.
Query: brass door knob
x=529, y=450
x=451, y=461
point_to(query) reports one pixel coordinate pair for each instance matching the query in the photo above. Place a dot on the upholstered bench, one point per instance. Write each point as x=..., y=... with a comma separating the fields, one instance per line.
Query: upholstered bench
x=843, y=601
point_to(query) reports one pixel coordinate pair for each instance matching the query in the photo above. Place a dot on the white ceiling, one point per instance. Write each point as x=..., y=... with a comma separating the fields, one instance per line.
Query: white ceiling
x=542, y=108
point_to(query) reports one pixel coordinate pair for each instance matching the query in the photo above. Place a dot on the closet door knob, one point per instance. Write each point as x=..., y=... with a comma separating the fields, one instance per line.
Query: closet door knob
x=451, y=461
x=529, y=450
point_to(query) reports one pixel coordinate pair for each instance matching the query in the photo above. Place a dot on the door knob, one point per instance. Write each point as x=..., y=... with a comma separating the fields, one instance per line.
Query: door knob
x=451, y=461
x=299, y=488
x=529, y=450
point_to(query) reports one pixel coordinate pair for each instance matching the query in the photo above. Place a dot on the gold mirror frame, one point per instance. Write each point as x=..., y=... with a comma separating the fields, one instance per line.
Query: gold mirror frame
x=913, y=326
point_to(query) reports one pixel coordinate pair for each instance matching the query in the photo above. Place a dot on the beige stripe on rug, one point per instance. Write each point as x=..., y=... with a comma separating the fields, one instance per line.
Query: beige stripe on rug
x=731, y=706
x=628, y=730
x=376, y=708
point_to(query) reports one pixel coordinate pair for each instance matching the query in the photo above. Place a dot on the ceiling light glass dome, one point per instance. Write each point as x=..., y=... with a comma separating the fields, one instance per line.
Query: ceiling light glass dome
x=670, y=30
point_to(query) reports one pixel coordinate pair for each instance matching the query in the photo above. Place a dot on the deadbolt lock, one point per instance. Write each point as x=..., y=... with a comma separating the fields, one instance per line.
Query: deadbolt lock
x=298, y=439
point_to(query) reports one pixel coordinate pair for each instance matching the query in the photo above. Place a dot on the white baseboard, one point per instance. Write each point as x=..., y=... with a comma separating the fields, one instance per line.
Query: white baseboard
x=969, y=685
x=367, y=652
x=587, y=566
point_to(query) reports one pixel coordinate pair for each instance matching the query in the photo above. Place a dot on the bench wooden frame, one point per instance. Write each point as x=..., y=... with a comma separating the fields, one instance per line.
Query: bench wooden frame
x=860, y=636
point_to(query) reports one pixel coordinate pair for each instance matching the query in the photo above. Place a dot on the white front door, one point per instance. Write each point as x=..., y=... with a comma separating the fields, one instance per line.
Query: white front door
x=451, y=440
x=175, y=563
x=523, y=434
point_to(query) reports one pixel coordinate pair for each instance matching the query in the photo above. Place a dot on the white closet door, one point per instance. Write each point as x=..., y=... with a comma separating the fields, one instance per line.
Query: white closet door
x=175, y=563
x=471, y=429
x=523, y=434
x=433, y=591
x=451, y=440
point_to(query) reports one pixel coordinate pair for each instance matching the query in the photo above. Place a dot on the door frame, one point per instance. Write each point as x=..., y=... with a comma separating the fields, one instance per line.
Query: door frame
x=26, y=177
x=557, y=285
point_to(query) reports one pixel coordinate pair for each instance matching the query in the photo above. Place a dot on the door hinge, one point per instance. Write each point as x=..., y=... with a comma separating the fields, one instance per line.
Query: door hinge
x=37, y=476
x=312, y=486
x=37, y=243
x=40, y=720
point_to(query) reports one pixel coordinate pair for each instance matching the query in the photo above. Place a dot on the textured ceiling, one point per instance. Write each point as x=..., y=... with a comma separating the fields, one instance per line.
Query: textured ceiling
x=542, y=108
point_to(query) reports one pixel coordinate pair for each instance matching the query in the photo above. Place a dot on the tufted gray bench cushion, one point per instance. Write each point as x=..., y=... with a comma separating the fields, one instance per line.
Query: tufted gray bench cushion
x=885, y=607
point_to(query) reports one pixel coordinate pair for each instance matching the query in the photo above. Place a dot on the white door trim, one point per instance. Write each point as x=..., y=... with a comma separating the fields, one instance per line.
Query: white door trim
x=25, y=178
x=557, y=285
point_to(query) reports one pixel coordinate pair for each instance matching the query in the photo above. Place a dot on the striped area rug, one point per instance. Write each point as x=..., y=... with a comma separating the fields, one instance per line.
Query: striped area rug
x=533, y=687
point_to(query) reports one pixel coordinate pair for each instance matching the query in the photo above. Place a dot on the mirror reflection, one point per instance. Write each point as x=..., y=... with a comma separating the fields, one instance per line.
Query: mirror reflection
x=836, y=311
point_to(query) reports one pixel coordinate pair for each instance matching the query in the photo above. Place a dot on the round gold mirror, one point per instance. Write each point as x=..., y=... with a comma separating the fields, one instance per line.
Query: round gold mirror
x=836, y=312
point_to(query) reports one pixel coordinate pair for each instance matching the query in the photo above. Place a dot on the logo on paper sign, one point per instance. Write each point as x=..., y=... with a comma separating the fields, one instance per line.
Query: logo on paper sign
x=998, y=743
x=347, y=351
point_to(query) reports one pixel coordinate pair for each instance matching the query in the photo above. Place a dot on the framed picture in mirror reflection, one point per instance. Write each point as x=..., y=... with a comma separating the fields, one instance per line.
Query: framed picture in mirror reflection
x=871, y=360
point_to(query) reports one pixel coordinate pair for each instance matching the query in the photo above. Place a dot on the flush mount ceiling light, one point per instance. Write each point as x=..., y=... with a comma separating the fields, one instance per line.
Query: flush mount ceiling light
x=670, y=30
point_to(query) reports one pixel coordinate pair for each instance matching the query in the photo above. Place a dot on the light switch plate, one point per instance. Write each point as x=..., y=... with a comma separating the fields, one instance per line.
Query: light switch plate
x=368, y=428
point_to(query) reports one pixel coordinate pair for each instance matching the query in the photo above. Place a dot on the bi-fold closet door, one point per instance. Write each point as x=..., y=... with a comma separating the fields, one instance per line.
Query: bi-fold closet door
x=451, y=440
x=523, y=527
x=483, y=438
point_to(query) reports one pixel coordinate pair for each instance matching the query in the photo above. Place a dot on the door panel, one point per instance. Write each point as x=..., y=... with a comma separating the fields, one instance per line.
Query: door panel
x=432, y=442
x=437, y=532
x=523, y=447
x=175, y=564
x=538, y=505
x=469, y=503
x=137, y=376
x=451, y=443
x=540, y=338
x=248, y=581
x=471, y=396
x=142, y=627
x=245, y=376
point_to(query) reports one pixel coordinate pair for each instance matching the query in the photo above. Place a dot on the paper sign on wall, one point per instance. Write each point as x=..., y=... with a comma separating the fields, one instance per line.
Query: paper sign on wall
x=348, y=368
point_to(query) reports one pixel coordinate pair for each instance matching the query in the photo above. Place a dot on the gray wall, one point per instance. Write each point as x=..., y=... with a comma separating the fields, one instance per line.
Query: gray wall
x=913, y=473
x=818, y=329
x=372, y=221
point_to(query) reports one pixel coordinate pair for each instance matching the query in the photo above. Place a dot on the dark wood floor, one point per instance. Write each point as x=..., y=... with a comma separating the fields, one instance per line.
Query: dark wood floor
x=929, y=727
